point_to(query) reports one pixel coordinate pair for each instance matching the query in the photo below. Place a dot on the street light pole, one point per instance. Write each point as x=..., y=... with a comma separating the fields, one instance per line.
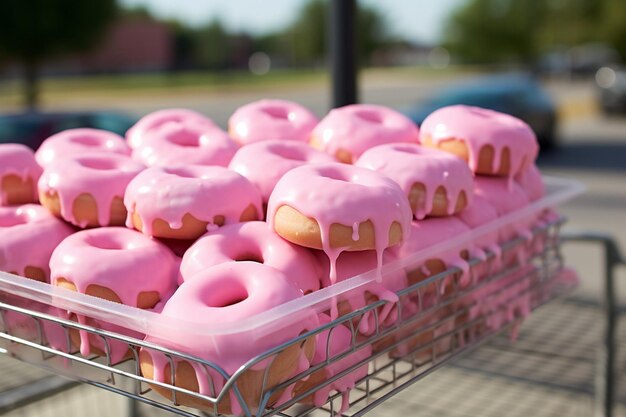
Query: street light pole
x=343, y=51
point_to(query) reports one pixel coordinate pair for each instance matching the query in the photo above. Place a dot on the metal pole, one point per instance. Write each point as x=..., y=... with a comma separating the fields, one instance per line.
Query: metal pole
x=343, y=51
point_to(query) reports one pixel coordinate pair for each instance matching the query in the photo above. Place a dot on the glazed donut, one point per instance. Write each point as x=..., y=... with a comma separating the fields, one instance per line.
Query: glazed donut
x=74, y=142
x=330, y=344
x=101, y=262
x=29, y=235
x=155, y=120
x=347, y=132
x=492, y=143
x=232, y=293
x=271, y=119
x=88, y=190
x=435, y=182
x=186, y=202
x=252, y=241
x=531, y=182
x=341, y=208
x=190, y=142
x=18, y=175
x=263, y=163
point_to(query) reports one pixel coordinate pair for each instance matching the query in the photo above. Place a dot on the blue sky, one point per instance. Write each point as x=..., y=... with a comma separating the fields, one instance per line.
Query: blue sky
x=417, y=20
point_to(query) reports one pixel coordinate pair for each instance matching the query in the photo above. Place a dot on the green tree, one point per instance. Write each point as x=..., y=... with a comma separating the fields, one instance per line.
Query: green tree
x=212, y=46
x=33, y=31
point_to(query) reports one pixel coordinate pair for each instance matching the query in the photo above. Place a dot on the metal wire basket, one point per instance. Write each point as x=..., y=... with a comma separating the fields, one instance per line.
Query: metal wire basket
x=431, y=328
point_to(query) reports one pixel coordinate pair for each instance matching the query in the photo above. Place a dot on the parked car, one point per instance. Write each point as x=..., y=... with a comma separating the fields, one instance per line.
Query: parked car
x=612, y=85
x=517, y=94
x=33, y=128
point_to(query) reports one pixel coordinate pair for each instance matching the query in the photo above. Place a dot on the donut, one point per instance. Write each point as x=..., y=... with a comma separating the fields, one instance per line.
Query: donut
x=492, y=143
x=233, y=295
x=347, y=132
x=29, y=235
x=531, y=183
x=115, y=264
x=88, y=190
x=19, y=173
x=264, y=163
x=190, y=142
x=186, y=202
x=155, y=120
x=256, y=242
x=337, y=207
x=332, y=343
x=435, y=182
x=271, y=119
x=73, y=142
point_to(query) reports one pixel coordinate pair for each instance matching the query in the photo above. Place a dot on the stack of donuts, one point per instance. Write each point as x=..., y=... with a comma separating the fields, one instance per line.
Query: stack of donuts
x=212, y=227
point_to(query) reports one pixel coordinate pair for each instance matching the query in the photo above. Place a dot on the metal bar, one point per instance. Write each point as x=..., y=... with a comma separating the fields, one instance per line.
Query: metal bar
x=343, y=51
x=605, y=371
x=33, y=391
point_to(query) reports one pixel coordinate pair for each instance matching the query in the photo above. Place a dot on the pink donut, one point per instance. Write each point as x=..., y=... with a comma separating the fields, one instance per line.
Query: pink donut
x=189, y=142
x=531, y=182
x=29, y=235
x=87, y=190
x=492, y=143
x=271, y=119
x=435, y=182
x=252, y=241
x=18, y=175
x=263, y=163
x=349, y=131
x=154, y=121
x=227, y=295
x=185, y=202
x=73, y=142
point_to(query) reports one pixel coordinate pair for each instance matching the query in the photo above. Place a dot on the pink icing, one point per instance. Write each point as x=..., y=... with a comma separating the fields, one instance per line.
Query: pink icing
x=123, y=260
x=202, y=191
x=252, y=241
x=531, y=182
x=264, y=163
x=29, y=235
x=359, y=127
x=344, y=194
x=479, y=127
x=351, y=264
x=189, y=142
x=271, y=119
x=155, y=120
x=330, y=344
x=18, y=160
x=409, y=164
x=74, y=142
x=117, y=350
x=431, y=231
x=104, y=176
x=227, y=293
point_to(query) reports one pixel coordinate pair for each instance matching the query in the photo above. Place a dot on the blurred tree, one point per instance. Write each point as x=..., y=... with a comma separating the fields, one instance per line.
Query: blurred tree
x=35, y=30
x=212, y=46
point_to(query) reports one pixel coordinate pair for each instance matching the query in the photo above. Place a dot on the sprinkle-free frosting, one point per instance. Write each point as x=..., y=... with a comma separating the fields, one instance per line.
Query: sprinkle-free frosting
x=271, y=119
x=155, y=120
x=252, y=241
x=73, y=142
x=202, y=191
x=359, y=127
x=411, y=164
x=18, y=160
x=531, y=182
x=228, y=293
x=338, y=193
x=188, y=142
x=264, y=163
x=101, y=175
x=29, y=235
x=477, y=128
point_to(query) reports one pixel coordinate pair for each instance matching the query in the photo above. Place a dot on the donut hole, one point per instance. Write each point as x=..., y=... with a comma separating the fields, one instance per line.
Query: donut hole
x=370, y=116
x=107, y=243
x=277, y=112
x=249, y=256
x=182, y=172
x=86, y=140
x=334, y=174
x=226, y=296
x=100, y=164
x=185, y=138
x=12, y=219
x=292, y=154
